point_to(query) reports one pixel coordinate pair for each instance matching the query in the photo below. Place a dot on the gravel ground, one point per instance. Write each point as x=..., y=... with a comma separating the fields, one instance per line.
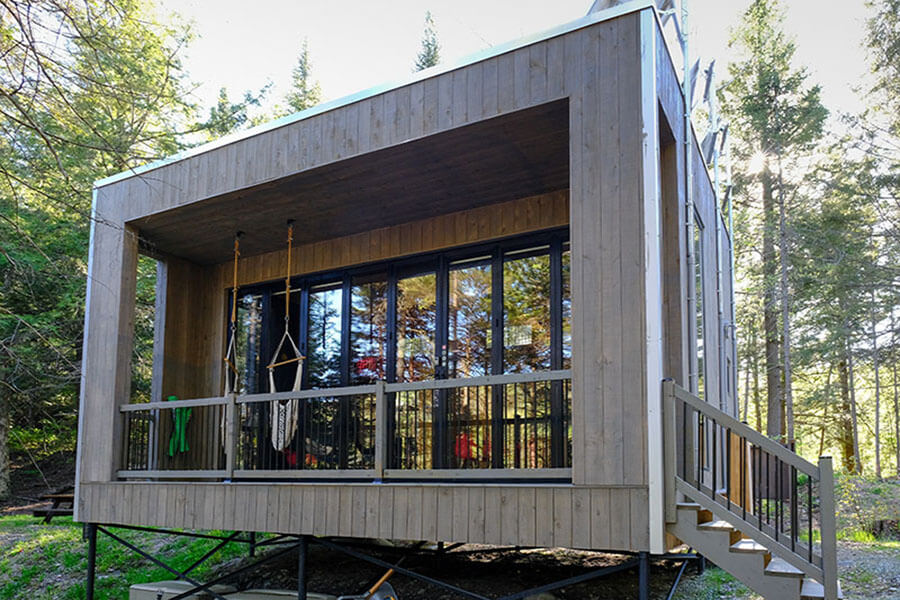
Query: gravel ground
x=868, y=572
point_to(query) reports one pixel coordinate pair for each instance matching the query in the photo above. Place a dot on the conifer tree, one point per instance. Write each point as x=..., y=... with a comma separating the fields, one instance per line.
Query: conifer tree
x=777, y=115
x=305, y=92
x=430, y=53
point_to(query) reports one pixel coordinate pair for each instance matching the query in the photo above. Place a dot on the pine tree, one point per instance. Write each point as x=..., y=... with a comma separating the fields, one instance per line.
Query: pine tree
x=305, y=92
x=776, y=115
x=430, y=54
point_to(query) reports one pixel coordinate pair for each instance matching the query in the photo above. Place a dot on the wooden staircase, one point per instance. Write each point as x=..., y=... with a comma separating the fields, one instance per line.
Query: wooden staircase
x=747, y=560
x=750, y=505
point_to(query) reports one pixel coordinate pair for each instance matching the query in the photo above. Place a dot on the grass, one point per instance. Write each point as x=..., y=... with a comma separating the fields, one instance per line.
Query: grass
x=50, y=561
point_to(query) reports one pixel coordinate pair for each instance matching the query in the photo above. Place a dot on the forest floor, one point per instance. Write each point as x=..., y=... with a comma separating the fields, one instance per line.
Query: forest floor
x=40, y=561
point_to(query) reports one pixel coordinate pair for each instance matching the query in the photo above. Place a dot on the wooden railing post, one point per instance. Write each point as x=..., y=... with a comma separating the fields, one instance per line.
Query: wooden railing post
x=669, y=449
x=231, y=425
x=380, y=429
x=828, y=527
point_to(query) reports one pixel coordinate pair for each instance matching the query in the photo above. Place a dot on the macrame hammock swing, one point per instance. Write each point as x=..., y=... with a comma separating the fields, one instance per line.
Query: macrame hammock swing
x=285, y=414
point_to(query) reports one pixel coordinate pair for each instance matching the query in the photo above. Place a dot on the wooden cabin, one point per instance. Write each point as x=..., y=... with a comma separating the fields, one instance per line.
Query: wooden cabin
x=516, y=325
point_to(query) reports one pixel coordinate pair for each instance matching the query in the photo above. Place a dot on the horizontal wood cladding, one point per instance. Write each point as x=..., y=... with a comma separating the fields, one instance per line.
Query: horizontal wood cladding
x=610, y=518
x=446, y=231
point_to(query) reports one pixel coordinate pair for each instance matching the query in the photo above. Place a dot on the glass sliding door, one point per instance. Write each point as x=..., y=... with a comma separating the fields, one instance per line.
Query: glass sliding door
x=415, y=411
x=469, y=338
x=526, y=348
x=368, y=329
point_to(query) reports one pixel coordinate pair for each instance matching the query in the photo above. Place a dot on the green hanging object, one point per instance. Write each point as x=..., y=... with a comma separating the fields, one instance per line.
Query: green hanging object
x=180, y=417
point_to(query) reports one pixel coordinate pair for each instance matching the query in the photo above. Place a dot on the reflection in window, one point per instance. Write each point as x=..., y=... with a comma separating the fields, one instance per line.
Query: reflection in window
x=526, y=312
x=566, y=307
x=416, y=318
x=698, y=307
x=368, y=329
x=469, y=312
x=248, y=343
x=323, y=360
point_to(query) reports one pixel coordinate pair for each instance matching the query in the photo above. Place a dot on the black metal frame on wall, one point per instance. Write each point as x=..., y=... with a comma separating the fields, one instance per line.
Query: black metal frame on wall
x=551, y=243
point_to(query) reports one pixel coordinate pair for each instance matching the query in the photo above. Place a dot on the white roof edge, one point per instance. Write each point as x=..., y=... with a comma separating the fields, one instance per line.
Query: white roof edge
x=586, y=21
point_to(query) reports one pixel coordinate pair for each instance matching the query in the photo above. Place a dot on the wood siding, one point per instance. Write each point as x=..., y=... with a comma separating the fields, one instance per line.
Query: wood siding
x=608, y=518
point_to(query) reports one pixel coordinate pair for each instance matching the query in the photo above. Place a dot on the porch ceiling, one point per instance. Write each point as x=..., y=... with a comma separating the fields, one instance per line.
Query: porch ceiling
x=513, y=156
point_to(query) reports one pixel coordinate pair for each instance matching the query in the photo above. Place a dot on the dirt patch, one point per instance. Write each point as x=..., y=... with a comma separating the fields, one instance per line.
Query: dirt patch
x=484, y=570
x=30, y=481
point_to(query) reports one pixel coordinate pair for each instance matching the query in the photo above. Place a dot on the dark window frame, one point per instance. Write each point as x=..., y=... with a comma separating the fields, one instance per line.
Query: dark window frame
x=553, y=242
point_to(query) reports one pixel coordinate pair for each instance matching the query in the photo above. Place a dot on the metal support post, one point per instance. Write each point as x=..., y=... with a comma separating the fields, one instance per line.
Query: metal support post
x=644, y=576
x=701, y=564
x=302, y=548
x=90, y=531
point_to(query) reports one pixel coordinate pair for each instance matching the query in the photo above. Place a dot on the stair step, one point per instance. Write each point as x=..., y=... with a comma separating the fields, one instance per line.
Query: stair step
x=782, y=568
x=749, y=547
x=716, y=526
x=813, y=590
x=688, y=506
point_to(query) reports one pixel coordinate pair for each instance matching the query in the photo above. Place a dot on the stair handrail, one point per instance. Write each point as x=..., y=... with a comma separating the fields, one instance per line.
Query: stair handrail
x=821, y=473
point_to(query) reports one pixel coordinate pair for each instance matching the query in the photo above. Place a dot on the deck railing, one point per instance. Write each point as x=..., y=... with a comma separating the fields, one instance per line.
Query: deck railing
x=514, y=426
x=762, y=488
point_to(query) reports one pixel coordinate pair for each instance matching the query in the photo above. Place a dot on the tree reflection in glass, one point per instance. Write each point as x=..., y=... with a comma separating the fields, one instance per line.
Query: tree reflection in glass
x=416, y=318
x=323, y=361
x=526, y=312
x=368, y=329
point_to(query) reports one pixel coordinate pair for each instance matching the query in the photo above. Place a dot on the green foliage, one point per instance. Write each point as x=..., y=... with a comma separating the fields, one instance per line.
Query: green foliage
x=430, y=53
x=87, y=89
x=49, y=561
x=305, y=92
x=227, y=116
x=884, y=53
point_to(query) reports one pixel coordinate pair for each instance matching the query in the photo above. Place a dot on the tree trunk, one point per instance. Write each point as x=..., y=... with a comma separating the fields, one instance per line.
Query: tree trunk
x=775, y=401
x=756, y=403
x=785, y=311
x=745, y=413
x=853, y=413
x=845, y=437
x=896, y=407
x=4, y=441
x=875, y=364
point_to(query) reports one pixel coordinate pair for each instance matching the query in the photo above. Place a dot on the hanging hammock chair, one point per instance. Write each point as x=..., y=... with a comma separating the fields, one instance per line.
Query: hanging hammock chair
x=285, y=414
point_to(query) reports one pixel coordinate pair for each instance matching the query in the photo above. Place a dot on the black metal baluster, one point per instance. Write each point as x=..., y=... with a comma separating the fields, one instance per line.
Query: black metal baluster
x=794, y=511
x=728, y=467
x=778, y=497
x=715, y=463
x=743, y=471
x=698, y=453
x=809, y=497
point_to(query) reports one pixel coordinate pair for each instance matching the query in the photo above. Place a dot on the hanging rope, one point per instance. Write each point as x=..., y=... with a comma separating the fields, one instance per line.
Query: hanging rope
x=285, y=413
x=231, y=373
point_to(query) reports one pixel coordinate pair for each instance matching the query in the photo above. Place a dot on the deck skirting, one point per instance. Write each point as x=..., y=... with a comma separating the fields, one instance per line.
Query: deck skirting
x=545, y=515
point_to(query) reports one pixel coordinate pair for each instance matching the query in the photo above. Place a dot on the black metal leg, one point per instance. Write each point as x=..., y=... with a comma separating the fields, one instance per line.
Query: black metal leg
x=90, y=531
x=252, y=544
x=701, y=564
x=301, y=568
x=644, y=576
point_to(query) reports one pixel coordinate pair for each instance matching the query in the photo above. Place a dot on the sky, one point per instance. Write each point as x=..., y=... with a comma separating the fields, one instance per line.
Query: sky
x=354, y=45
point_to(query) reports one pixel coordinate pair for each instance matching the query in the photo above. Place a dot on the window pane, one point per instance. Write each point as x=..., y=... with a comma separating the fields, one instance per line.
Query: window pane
x=416, y=316
x=284, y=374
x=470, y=321
x=567, y=307
x=698, y=307
x=368, y=329
x=526, y=313
x=323, y=360
x=248, y=343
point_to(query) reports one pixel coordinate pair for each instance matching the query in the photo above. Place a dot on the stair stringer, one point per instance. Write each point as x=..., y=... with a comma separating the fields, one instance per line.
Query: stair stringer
x=749, y=569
